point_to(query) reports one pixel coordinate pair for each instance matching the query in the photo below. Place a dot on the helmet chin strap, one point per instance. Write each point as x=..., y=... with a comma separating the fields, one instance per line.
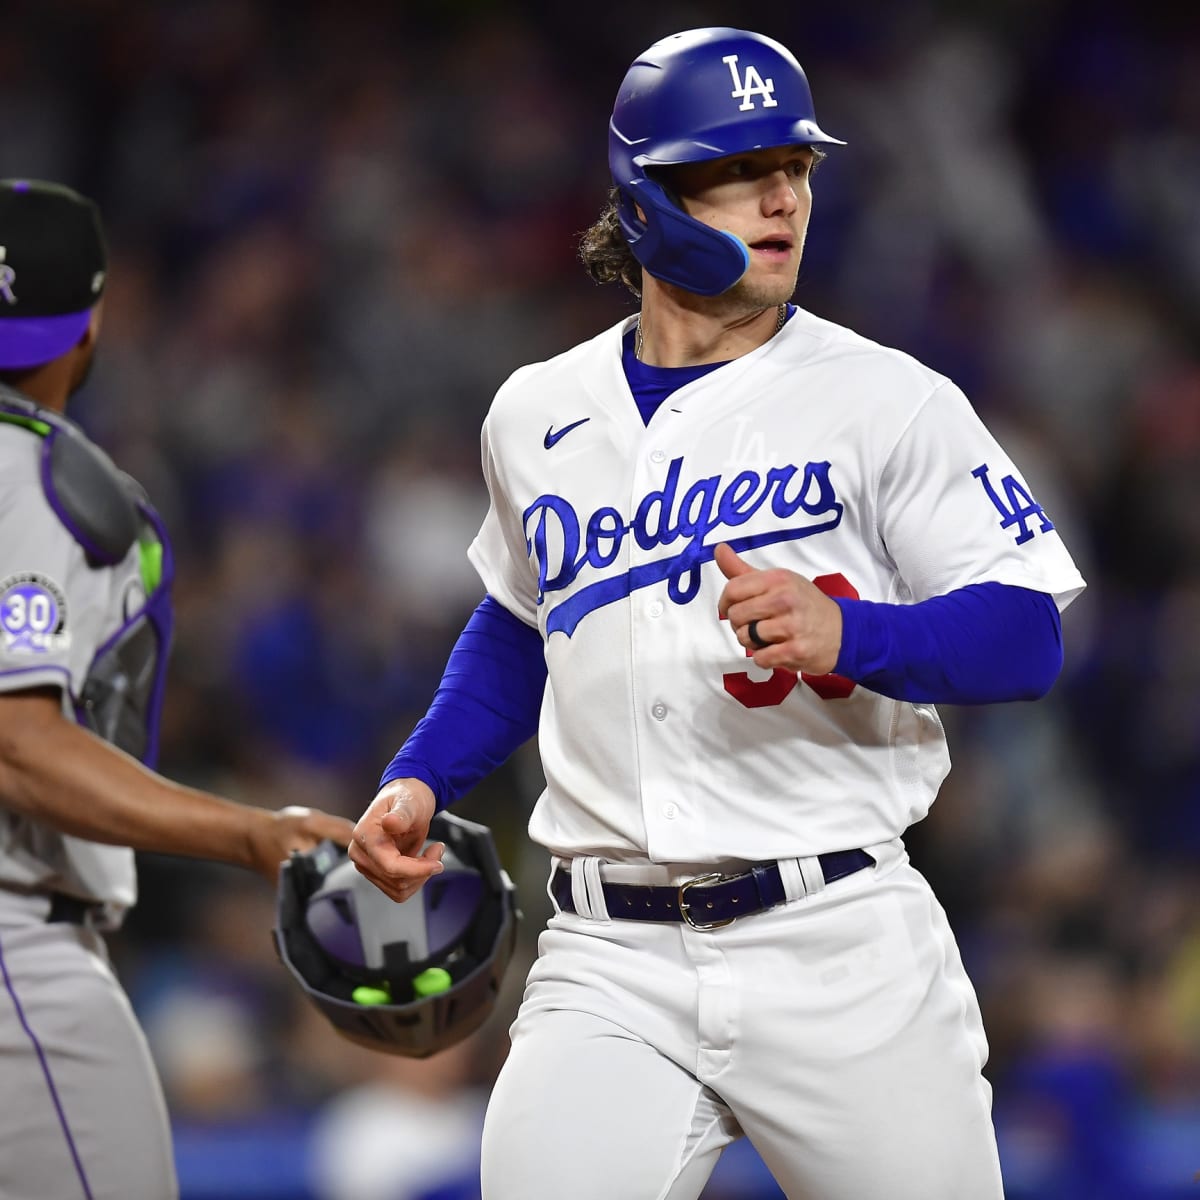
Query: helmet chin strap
x=675, y=247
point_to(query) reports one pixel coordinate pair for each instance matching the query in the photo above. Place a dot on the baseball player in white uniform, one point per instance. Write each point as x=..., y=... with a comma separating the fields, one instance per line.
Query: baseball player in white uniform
x=85, y=575
x=735, y=555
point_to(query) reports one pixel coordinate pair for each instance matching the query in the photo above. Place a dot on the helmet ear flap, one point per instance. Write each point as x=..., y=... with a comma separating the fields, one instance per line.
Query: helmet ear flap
x=677, y=248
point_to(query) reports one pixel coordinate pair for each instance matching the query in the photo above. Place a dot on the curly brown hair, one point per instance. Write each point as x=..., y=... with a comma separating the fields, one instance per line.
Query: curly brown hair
x=605, y=252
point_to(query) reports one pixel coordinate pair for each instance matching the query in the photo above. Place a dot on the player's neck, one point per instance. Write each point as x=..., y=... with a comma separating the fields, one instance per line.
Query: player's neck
x=48, y=385
x=670, y=336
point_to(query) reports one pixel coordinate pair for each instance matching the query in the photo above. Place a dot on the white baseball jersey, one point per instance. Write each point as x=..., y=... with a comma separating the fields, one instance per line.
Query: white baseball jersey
x=821, y=452
x=55, y=612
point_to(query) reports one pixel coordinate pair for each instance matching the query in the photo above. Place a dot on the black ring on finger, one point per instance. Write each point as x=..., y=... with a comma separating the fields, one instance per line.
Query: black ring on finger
x=752, y=633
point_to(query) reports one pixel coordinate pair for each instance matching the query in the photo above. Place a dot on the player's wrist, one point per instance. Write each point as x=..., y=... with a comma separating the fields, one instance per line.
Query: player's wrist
x=411, y=791
x=259, y=838
x=403, y=772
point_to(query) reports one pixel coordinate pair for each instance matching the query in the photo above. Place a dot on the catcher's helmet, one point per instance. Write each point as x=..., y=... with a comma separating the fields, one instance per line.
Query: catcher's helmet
x=691, y=97
x=409, y=978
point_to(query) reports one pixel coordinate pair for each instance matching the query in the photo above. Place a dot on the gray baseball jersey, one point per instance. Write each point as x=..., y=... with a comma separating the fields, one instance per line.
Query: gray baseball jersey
x=84, y=1111
x=56, y=611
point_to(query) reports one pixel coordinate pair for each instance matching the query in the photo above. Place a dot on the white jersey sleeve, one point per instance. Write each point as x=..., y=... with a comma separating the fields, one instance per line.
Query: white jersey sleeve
x=500, y=552
x=952, y=509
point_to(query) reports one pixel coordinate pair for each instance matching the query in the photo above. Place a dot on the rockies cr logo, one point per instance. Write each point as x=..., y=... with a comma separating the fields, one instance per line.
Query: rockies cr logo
x=753, y=85
x=7, y=278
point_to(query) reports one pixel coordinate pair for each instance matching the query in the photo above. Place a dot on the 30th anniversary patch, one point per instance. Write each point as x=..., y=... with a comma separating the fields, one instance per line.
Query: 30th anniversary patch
x=33, y=615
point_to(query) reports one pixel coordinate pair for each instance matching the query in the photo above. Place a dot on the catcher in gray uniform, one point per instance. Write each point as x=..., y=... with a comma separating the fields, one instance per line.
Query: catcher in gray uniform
x=85, y=574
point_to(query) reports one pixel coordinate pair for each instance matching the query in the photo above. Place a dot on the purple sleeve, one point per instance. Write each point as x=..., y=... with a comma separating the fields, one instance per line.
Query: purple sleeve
x=485, y=707
x=981, y=644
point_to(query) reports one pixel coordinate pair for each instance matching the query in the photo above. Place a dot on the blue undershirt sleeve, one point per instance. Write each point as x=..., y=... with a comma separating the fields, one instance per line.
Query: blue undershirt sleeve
x=980, y=644
x=485, y=707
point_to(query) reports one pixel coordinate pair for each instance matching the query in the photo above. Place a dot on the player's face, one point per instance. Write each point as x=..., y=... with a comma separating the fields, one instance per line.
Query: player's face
x=765, y=198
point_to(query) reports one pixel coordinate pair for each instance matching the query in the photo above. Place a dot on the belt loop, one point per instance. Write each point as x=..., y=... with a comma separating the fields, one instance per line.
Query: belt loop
x=579, y=896
x=556, y=864
x=595, y=889
x=812, y=875
x=792, y=875
x=586, y=890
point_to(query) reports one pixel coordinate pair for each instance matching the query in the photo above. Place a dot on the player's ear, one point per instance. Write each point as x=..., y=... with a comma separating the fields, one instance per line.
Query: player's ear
x=83, y=353
x=88, y=339
x=92, y=332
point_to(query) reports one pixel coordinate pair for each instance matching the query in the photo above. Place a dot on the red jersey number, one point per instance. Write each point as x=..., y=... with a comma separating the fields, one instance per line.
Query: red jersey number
x=763, y=693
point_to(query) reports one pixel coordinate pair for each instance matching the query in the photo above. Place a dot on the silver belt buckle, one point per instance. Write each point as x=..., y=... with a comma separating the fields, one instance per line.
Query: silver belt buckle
x=685, y=907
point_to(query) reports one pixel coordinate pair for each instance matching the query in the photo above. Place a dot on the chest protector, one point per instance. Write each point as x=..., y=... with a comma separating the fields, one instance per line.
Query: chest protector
x=107, y=513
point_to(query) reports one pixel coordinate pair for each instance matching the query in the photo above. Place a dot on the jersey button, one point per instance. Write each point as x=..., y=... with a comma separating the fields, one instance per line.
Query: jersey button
x=658, y=456
x=659, y=711
x=656, y=608
x=670, y=811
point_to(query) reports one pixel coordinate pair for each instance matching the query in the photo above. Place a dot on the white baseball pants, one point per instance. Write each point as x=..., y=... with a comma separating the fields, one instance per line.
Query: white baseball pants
x=839, y=1032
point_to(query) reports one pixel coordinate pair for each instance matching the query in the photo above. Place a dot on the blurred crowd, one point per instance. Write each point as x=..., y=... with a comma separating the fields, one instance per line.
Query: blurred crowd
x=336, y=228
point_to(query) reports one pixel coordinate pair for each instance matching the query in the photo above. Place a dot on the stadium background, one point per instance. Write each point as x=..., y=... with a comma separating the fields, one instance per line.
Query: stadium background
x=336, y=227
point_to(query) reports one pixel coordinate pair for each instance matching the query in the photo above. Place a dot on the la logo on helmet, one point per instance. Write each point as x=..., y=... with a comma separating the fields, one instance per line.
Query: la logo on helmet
x=754, y=85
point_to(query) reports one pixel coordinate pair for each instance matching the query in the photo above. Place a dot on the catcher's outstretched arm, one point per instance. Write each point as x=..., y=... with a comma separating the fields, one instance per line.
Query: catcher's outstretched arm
x=64, y=776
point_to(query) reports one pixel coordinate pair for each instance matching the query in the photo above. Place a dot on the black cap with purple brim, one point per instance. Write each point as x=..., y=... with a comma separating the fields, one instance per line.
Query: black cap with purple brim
x=52, y=267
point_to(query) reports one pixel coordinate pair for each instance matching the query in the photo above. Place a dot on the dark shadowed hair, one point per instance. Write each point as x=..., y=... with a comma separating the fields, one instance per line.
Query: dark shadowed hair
x=605, y=252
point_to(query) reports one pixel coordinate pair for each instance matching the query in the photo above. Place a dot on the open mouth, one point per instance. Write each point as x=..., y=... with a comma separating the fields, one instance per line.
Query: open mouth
x=774, y=247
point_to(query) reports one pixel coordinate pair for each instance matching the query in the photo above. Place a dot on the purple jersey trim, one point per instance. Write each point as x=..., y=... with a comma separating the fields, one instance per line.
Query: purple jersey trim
x=161, y=615
x=158, y=611
x=32, y=341
x=41, y=1054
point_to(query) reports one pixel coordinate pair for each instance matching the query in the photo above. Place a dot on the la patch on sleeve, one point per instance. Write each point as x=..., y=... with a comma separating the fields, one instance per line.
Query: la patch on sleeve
x=33, y=615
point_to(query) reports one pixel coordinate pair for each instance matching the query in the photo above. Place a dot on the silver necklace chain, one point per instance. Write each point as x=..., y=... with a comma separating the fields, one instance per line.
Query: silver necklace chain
x=780, y=321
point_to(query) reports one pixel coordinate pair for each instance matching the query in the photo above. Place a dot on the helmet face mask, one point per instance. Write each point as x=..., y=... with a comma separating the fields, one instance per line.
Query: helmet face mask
x=691, y=97
x=412, y=978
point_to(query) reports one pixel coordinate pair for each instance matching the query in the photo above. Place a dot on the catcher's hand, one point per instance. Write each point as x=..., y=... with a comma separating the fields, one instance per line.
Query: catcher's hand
x=273, y=839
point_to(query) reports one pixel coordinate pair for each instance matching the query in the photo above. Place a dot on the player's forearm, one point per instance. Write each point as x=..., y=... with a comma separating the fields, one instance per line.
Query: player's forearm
x=486, y=706
x=60, y=774
x=981, y=644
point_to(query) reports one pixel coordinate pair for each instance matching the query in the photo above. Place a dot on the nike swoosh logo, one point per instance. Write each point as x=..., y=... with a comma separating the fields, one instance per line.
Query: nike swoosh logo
x=553, y=436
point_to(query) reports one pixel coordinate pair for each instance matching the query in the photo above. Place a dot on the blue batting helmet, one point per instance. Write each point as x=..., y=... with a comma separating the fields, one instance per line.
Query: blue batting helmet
x=691, y=97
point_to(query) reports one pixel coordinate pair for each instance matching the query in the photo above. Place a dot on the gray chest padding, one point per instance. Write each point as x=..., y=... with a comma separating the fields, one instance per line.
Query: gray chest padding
x=120, y=687
x=91, y=497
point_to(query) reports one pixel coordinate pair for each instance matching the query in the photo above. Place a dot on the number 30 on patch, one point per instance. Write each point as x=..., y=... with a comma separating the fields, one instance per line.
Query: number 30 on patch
x=33, y=615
